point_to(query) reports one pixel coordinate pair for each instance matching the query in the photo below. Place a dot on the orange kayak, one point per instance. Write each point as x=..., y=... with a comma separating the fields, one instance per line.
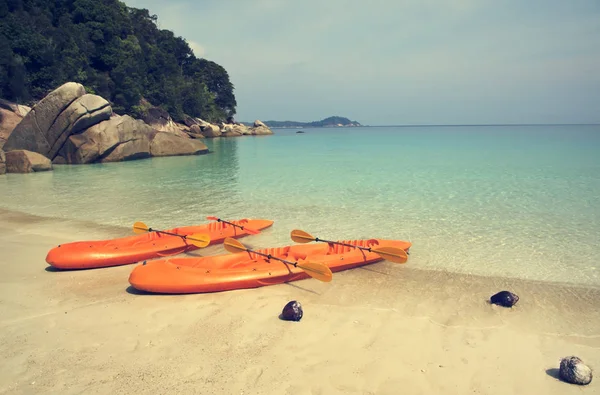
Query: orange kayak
x=247, y=270
x=132, y=249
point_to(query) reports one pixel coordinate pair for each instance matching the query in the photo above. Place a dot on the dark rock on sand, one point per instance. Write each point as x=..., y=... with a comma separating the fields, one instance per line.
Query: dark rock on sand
x=504, y=298
x=573, y=370
x=292, y=311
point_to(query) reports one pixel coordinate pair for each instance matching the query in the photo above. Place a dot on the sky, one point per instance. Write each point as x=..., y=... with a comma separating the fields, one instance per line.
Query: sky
x=399, y=62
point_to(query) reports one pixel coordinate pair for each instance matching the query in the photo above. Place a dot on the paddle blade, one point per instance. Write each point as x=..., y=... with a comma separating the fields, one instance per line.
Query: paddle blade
x=397, y=255
x=317, y=270
x=232, y=245
x=200, y=240
x=300, y=236
x=140, y=227
x=212, y=218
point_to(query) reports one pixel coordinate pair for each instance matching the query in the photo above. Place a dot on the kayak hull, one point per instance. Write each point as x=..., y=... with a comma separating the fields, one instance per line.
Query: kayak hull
x=150, y=245
x=247, y=270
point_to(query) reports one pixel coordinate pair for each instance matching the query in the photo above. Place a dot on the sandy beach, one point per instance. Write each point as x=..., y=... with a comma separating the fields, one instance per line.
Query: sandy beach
x=381, y=329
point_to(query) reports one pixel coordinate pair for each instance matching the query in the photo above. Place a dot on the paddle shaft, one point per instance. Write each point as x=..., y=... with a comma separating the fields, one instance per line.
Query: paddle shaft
x=344, y=244
x=269, y=256
x=167, y=233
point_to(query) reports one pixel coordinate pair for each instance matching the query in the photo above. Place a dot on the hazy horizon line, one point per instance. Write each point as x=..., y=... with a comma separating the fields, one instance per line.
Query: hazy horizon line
x=442, y=125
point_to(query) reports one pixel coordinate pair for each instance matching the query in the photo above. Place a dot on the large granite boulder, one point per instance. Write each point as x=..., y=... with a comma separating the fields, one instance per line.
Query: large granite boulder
x=22, y=161
x=125, y=138
x=31, y=133
x=113, y=140
x=2, y=162
x=167, y=144
x=65, y=111
x=84, y=112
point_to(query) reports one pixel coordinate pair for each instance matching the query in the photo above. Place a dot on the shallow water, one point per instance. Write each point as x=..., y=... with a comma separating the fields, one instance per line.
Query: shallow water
x=510, y=201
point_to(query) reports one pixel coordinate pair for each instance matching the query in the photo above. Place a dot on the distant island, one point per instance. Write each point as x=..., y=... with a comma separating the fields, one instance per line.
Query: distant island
x=334, y=121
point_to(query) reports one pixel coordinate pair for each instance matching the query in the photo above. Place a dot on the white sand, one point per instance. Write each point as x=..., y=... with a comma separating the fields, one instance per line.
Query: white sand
x=382, y=329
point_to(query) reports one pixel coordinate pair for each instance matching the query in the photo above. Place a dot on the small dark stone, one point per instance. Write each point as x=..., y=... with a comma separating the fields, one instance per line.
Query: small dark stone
x=299, y=131
x=504, y=298
x=574, y=371
x=292, y=311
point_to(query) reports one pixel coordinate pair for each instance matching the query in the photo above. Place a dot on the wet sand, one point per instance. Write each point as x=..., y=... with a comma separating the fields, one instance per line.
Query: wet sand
x=381, y=329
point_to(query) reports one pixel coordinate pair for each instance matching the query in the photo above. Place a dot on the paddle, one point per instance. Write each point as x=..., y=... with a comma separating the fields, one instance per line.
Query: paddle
x=251, y=231
x=393, y=254
x=200, y=240
x=317, y=270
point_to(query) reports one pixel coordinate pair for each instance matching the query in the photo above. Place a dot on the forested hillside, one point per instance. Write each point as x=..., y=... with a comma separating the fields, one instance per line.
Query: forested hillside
x=115, y=51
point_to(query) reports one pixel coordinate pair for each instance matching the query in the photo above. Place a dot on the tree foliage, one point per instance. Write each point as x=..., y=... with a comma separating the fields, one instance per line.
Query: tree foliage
x=115, y=51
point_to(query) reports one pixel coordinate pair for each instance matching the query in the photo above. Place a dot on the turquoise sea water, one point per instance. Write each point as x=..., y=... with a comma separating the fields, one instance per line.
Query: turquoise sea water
x=511, y=201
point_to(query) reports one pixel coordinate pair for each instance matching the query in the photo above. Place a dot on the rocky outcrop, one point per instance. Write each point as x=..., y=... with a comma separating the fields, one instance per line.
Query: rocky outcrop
x=167, y=144
x=260, y=128
x=2, y=162
x=23, y=161
x=31, y=133
x=238, y=129
x=125, y=138
x=69, y=126
x=160, y=120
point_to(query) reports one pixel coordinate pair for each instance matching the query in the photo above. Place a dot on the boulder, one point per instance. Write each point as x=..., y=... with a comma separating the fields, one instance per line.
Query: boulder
x=84, y=112
x=260, y=128
x=125, y=138
x=8, y=121
x=160, y=120
x=195, y=129
x=31, y=133
x=2, y=162
x=18, y=109
x=167, y=144
x=238, y=129
x=209, y=130
x=23, y=161
x=116, y=139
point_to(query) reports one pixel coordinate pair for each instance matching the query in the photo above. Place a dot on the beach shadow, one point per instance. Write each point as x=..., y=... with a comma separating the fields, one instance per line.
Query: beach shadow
x=52, y=269
x=134, y=291
x=553, y=372
x=282, y=319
